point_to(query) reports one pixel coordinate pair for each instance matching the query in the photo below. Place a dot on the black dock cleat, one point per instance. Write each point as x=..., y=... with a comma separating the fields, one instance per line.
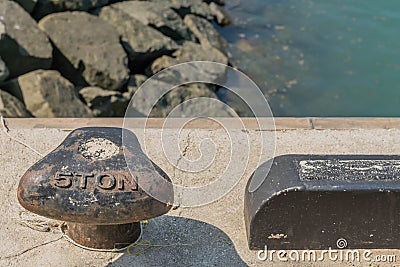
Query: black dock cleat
x=321, y=202
x=86, y=182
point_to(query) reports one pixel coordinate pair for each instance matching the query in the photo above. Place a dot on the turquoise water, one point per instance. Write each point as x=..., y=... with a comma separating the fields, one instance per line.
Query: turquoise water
x=320, y=58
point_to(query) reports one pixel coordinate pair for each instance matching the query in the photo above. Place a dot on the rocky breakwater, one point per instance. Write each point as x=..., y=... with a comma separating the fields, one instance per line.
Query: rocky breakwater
x=84, y=58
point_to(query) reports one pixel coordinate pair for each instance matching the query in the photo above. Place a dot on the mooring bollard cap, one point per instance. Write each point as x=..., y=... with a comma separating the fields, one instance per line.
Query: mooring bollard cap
x=86, y=180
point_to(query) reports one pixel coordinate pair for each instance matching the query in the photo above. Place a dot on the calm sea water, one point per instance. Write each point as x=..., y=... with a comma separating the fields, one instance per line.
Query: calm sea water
x=322, y=57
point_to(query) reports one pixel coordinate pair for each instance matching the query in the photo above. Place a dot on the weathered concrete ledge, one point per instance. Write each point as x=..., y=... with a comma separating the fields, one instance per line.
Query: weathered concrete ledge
x=281, y=123
x=210, y=235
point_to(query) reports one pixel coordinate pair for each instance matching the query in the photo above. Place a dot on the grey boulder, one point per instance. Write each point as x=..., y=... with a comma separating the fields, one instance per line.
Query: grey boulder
x=236, y=102
x=184, y=7
x=45, y=7
x=158, y=15
x=189, y=100
x=12, y=107
x=206, y=33
x=104, y=103
x=88, y=51
x=142, y=43
x=221, y=16
x=135, y=81
x=218, y=2
x=47, y=94
x=23, y=46
x=189, y=51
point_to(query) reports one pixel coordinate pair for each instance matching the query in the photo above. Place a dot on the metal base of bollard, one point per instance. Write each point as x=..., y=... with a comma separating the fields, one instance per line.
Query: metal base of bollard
x=115, y=236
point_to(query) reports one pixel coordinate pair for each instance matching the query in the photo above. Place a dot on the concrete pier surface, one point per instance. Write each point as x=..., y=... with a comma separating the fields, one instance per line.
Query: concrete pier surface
x=209, y=235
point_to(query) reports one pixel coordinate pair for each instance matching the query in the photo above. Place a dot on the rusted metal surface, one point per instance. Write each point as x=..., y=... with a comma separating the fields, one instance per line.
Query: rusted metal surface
x=86, y=181
x=104, y=236
x=312, y=201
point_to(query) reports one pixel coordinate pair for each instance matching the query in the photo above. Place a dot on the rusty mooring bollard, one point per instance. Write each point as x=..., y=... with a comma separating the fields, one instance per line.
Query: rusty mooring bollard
x=86, y=182
x=324, y=201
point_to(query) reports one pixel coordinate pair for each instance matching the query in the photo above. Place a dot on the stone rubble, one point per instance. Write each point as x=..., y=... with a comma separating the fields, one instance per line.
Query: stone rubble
x=85, y=58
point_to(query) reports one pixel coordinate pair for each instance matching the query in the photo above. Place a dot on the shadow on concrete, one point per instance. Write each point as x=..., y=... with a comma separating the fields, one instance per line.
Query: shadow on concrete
x=183, y=242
